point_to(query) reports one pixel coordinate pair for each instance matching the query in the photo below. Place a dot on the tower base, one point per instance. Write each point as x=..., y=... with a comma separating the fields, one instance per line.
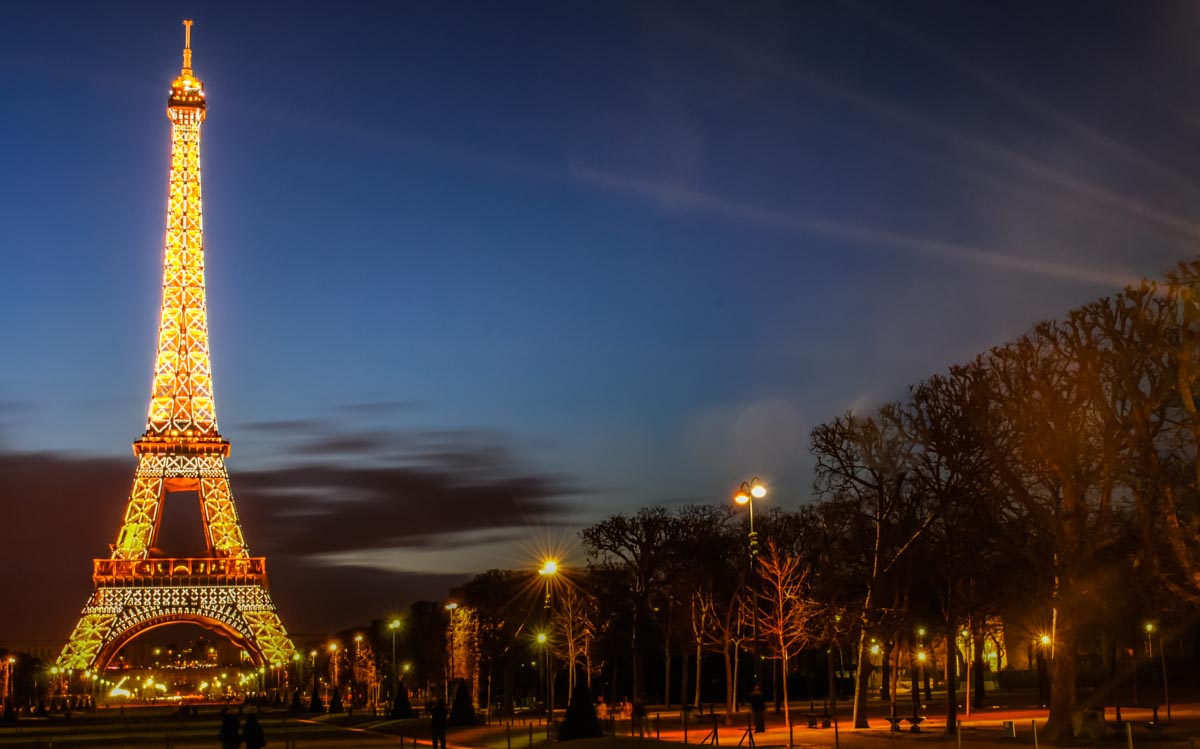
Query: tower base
x=226, y=595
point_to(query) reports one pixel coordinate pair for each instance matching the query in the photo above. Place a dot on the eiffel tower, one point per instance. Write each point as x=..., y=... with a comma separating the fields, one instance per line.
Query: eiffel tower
x=136, y=588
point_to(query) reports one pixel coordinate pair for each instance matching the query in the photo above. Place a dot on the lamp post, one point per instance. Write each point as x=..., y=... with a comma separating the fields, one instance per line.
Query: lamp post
x=745, y=495
x=356, y=682
x=451, y=607
x=541, y=639
x=333, y=668
x=394, y=625
x=548, y=570
x=1044, y=642
x=313, y=654
x=1162, y=654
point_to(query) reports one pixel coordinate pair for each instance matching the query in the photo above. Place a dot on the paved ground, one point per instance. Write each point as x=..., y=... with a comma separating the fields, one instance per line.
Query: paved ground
x=982, y=730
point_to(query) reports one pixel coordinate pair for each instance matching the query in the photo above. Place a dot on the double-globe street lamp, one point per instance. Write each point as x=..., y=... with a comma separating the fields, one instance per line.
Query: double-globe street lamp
x=745, y=495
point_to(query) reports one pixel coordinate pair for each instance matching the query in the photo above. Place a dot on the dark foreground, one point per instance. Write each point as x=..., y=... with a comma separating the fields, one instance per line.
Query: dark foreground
x=986, y=729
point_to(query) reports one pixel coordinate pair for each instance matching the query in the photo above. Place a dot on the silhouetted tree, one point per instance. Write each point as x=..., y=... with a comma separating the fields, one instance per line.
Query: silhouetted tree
x=581, y=721
x=863, y=464
x=401, y=707
x=314, y=701
x=638, y=547
x=462, y=712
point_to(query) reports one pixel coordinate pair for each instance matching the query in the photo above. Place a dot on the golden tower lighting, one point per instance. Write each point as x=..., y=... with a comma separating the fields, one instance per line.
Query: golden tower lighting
x=136, y=589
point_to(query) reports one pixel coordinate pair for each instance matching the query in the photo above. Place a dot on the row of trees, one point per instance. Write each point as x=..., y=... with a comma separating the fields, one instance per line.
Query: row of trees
x=1056, y=473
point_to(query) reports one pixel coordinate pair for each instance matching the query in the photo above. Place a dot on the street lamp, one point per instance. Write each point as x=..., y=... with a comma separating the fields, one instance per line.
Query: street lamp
x=356, y=683
x=333, y=664
x=1046, y=643
x=541, y=640
x=1162, y=654
x=394, y=625
x=548, y=571
x=745, y=495
x=451, y=607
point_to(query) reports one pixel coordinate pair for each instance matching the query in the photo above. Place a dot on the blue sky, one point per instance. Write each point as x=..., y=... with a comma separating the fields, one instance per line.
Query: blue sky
x=589, y=255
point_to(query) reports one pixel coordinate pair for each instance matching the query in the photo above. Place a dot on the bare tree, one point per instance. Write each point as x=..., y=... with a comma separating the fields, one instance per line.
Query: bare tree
x=784, y=610
x=575, y=614
x=863, y=464
x=637, y=546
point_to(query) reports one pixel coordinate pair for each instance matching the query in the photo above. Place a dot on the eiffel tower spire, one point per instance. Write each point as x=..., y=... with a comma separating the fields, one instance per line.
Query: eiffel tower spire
x=182, y=410
x=137, y=587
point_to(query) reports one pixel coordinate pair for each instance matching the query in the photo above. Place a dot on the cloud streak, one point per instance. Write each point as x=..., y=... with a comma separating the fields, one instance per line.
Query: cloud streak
x=312, y=517
x=675, y=196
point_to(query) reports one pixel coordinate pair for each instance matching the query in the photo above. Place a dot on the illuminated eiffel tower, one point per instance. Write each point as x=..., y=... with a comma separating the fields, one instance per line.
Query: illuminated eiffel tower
x=136, y=589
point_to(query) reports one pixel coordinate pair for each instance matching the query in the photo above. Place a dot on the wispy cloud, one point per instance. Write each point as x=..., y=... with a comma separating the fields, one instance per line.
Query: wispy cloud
x=676, y=197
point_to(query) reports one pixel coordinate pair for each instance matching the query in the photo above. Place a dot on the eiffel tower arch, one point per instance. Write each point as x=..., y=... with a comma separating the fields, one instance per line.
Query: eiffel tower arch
x=137, y=589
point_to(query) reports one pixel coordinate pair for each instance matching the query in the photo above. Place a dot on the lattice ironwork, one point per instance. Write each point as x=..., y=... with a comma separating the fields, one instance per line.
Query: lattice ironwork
x=181, y=450
x=115, y=615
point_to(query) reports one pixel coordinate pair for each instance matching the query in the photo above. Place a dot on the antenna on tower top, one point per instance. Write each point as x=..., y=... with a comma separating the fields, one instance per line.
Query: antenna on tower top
x=187, y=44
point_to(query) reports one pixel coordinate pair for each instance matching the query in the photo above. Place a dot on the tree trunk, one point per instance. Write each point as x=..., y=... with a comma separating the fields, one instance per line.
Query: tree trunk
x=699, y=658
x=667, y=677
x=916, y=685
x=637, y=653
x=885, y=676
x=787, y=711
x=1062, y=678
x=862, y=678
x=895, y=673
x=730, y=686
x=978, y=694
x=683, y=678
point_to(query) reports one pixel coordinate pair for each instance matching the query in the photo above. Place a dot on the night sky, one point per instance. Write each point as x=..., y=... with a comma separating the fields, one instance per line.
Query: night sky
x=482, y=273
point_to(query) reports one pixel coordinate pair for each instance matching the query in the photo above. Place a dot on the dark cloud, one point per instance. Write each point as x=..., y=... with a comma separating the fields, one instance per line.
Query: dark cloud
x=380, y=408
x=287, y=427
x=59, y=511
x=354, y=444
x=416, y=492
x=321, y=509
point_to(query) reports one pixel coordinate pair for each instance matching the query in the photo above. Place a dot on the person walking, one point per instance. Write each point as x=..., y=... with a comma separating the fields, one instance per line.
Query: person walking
x=437, y=723
x=253, y=733
x=637, y=717
x=229, y=735
x=758, y=708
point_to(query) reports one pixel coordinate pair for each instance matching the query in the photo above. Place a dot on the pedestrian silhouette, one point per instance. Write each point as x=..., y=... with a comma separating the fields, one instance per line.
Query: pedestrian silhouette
x=229, y=735
x=437, y=723
x=758, y=708
x=253, y=733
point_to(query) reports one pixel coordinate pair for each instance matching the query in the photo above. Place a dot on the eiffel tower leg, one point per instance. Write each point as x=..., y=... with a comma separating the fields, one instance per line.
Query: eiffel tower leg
x=272, y=638
x=90, y=634
x=220, y=516
x=142, y=514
